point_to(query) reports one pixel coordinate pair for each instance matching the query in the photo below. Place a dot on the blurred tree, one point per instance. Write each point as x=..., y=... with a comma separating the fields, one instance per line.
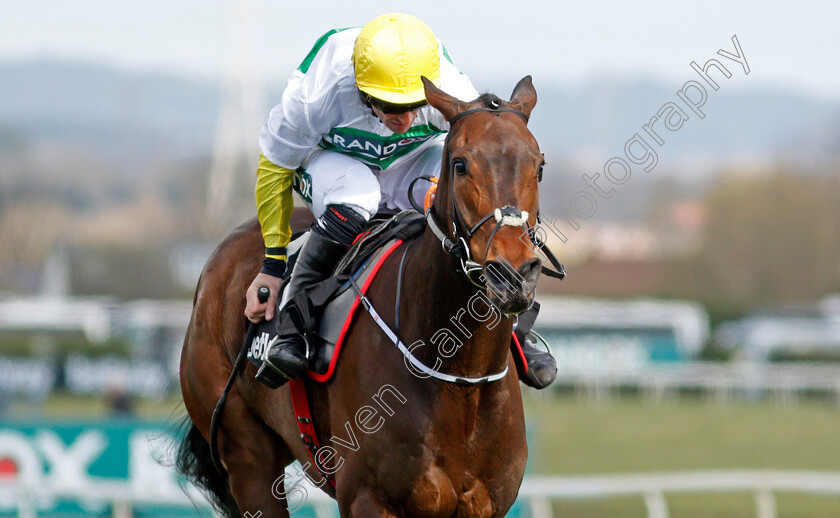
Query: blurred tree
x=29, y=228
x=768, y=238
x=124, y=271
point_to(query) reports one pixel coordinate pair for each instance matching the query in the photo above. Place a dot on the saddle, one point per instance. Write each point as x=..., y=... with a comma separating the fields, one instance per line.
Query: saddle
x=324, y=312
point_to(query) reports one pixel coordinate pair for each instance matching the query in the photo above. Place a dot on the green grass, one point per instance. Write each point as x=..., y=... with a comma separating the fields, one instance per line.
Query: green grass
x=65, y=406
x=569, y=436
x=698, y=505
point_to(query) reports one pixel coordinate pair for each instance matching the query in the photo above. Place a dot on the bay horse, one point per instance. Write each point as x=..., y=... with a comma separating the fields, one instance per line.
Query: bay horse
x=430, y=448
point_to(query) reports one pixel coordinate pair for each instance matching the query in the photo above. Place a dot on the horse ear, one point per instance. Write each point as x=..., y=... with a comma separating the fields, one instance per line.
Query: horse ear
x=524, y=96
x=446, y=104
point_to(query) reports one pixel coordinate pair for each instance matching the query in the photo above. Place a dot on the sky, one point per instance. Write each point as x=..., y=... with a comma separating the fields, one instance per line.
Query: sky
x=793, y=45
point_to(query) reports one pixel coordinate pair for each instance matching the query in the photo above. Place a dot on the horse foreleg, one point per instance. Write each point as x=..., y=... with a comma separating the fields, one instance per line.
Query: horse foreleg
x=366, y=505
x=255, y=458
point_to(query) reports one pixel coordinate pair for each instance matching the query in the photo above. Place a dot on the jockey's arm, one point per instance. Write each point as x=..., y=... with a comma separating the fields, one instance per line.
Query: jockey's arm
x=274, y=209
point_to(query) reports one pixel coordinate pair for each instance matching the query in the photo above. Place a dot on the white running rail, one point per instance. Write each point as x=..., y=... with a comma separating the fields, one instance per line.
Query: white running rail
x=538, y=492
x=653, y=487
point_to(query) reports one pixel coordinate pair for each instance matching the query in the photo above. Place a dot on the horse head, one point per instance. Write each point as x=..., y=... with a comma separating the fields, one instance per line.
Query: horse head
x=487, y=195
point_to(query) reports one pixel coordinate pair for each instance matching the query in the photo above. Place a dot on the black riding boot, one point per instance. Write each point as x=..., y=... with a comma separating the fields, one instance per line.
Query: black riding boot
x=538, y=369
x=286, y=359
x=541, y=367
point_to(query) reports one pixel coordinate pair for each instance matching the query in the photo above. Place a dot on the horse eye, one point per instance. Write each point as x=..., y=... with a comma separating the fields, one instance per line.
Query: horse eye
x=459, y=167
x=540, y=172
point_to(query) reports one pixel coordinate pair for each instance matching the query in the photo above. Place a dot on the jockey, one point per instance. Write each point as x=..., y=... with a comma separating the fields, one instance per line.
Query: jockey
x=350, y=133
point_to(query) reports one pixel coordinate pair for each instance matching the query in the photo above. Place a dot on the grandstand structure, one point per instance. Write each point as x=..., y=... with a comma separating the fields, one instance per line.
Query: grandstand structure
x=602, y=346
x=588, y=334
x=801, y=329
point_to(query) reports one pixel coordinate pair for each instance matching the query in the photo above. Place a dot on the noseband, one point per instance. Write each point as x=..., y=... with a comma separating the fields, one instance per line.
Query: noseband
x=458, y=244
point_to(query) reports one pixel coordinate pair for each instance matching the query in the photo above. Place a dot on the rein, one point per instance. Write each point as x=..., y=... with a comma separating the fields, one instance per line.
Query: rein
x=459, y=247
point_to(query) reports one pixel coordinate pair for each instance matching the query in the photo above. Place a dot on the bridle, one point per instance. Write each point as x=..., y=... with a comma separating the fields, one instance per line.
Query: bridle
x=458, y=244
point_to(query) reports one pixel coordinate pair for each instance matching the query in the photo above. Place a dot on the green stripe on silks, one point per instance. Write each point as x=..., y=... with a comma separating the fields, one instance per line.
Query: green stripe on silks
x=304, y=66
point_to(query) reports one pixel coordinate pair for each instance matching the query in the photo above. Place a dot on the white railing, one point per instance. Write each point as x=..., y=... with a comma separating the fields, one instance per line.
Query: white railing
x=538, y=492
x=784, y=382
x=652, y=487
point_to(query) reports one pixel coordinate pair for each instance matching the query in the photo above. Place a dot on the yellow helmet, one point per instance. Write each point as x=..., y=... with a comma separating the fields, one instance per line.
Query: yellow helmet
x=390, y=55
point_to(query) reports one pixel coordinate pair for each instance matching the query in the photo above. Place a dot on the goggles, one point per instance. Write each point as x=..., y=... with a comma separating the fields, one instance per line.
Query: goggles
x=394, y=109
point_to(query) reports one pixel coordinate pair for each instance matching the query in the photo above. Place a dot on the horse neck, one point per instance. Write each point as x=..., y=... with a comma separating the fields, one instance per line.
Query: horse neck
x=452, y=313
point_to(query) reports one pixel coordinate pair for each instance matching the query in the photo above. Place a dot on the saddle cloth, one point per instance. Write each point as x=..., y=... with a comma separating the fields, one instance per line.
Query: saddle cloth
x=361, y=262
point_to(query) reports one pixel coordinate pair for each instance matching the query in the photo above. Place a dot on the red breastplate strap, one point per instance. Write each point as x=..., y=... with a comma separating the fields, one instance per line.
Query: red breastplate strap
x=520, y=351
x=300, y=405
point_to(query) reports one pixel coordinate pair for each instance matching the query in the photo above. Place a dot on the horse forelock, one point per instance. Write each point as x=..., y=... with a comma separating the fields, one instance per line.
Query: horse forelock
x=490, y=131
x=490, y=100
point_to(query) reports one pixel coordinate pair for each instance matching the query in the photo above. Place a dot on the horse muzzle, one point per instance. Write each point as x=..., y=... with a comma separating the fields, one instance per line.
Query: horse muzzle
x=511, y=290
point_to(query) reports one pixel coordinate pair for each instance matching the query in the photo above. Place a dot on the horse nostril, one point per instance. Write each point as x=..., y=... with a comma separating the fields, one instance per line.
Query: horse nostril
x=496, y=273
x=502, y=275
x=531, y=270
